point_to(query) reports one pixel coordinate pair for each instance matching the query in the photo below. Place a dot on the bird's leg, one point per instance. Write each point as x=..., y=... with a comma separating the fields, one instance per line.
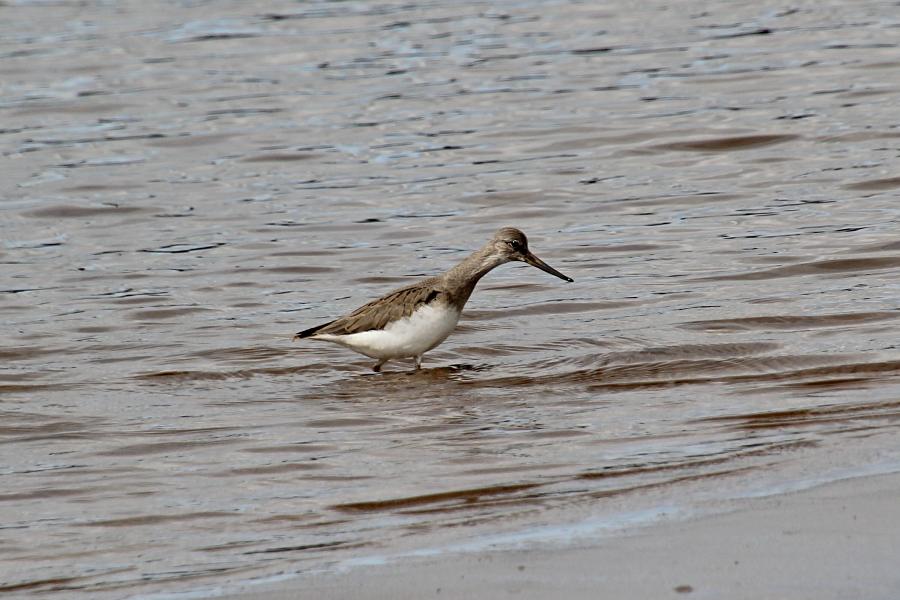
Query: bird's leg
x=418, y=362
x=378, y=365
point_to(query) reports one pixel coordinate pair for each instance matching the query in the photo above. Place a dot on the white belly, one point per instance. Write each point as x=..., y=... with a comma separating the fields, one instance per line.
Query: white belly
x=418, y=333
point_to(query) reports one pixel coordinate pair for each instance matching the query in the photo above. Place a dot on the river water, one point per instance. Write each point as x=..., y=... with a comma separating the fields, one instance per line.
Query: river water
x=185, y=184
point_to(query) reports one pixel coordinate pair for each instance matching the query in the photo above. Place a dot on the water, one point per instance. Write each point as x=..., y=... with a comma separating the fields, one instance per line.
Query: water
x=187, y=184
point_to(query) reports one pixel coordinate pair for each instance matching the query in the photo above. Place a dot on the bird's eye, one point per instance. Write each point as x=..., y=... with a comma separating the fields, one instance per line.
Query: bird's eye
x=514, y=244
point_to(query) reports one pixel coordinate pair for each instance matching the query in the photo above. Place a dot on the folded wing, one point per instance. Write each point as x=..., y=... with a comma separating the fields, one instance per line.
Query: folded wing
x=378, y=313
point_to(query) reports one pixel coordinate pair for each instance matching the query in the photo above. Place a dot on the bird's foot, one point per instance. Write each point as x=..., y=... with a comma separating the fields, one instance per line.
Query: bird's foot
x=418, y=362
x=377, y=366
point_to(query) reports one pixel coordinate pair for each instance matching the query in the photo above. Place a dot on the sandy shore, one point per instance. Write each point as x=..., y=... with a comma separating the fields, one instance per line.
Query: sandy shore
x=840, y=541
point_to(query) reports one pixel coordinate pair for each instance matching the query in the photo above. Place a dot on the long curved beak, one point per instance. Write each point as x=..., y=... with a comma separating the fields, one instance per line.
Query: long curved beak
x=534, y=261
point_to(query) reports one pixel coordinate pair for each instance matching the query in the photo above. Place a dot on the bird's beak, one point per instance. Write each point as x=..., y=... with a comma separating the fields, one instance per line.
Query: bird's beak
x=534, y=261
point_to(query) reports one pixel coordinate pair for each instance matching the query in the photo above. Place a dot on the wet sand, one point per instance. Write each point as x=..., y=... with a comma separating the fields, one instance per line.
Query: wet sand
x=832, y=542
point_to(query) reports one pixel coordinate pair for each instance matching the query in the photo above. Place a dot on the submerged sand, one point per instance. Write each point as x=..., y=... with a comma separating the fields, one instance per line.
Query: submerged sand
x=186, y=184
x=840, y=541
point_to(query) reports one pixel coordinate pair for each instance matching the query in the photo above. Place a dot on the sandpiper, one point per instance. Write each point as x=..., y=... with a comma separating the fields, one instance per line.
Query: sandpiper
x=412, y=320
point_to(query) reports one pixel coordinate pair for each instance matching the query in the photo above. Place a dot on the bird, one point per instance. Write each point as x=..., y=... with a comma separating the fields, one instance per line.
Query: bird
x=411, y=320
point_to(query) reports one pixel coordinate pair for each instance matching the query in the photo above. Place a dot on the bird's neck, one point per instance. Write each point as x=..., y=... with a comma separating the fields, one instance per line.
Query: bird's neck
x=461, y=279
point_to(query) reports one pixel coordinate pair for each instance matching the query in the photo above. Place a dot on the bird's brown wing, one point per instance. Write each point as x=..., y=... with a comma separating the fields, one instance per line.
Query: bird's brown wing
x=378, y=313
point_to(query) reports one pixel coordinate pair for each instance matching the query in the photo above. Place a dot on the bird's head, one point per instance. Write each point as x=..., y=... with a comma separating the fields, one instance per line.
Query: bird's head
x=510, y=244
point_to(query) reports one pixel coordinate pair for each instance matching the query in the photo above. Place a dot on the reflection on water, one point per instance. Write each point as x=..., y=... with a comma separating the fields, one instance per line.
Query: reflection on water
x=184, y=189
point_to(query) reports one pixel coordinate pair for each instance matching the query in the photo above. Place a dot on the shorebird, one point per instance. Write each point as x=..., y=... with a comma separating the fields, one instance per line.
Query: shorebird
x=410, y=321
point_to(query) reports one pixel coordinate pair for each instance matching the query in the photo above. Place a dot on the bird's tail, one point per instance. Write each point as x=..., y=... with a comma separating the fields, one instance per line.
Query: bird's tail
x=310, y=332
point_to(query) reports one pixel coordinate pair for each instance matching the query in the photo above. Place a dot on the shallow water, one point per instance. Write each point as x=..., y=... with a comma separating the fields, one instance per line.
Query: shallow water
x=183, y=189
